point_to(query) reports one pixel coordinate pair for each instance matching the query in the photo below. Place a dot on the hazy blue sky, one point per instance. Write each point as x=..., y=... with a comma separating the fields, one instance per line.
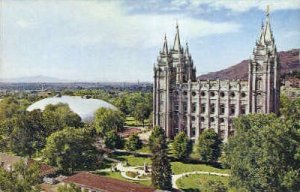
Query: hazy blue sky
x=120, y=40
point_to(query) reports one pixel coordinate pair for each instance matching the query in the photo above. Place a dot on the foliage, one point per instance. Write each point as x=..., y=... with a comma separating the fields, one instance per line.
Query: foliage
x=71, y=149
x=68, y=188
x=113, y=141
x=28, y=133
x=133, y=143
x=209, y=146
x=265, y=153
x=9, y=107
x=156, y=139
x=56, y=117
x=108, y=120
x=23, y=178
x=290, y=109
x=182, y=146
x=142, y=112
x=161, y=176
x=214, y=186
x=136, y=104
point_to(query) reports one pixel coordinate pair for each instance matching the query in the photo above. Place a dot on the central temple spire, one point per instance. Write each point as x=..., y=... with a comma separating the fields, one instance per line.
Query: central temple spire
x=177, y=45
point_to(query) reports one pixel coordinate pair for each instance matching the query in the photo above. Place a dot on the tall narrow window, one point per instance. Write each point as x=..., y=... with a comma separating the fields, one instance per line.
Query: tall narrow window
x=203, y=108
x=243, y=109
x=222, y=109
x=232, y=109
x=212, y=108
x=194, y=108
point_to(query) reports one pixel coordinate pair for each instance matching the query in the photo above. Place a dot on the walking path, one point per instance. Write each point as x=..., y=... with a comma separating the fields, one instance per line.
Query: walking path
x=123, y=169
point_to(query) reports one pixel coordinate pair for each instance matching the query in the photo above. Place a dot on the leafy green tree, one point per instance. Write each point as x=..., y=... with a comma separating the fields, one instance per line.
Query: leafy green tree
x=290, y=109
x=214, y=186
x=68, y=188
x=133, y=143
x=23, y=178
x=142, y=112
x=113, y=141
x=209, y=146
x=107, y=120
x=9, y=107
x=57, y=117
x=182, y=146
x=265, y=154
x=71, y=149
x=120, y=102
x=28, y=135
x=161, y=176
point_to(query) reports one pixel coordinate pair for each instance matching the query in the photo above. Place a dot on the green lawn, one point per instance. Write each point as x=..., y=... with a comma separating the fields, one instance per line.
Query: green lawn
x=132, y=160
x=130, y=121
x=193, y=183
x=144, y=149
x=179, y=167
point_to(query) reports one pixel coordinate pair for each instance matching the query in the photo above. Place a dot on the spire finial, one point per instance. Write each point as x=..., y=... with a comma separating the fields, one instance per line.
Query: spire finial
x=177, y=45
x=165, y=46
x=268, y=10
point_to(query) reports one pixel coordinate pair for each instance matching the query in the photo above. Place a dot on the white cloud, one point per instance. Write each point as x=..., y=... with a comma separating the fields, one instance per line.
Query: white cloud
x=141, y=30
x=246, y=5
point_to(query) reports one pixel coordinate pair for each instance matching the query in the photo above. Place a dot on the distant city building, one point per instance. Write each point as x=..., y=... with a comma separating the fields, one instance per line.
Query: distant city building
x=183, y=103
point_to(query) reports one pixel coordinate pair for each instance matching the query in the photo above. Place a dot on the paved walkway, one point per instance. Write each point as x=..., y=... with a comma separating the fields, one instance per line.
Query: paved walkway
x=123, y=169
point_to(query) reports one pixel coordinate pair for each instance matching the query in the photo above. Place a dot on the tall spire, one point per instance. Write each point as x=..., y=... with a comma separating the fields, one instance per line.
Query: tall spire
x=266, y=33
x=187, y=53
x=165, y=46
x=177, y=45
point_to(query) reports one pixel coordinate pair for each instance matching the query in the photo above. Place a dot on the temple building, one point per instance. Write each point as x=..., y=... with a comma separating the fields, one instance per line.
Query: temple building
x=181, y=102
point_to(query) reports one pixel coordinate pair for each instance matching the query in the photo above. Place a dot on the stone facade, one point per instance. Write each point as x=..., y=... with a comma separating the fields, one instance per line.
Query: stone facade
x=183, y=103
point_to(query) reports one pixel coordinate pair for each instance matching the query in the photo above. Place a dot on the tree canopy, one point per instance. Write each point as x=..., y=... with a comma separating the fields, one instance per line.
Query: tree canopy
x=71, y=149
x=182, y=146
x=108, y=120
x=133, y=143
x=209, y=146
x=23, y=178
x=265, y=154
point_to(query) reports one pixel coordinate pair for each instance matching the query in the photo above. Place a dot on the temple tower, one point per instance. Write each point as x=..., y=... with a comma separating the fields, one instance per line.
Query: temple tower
x=264, y=73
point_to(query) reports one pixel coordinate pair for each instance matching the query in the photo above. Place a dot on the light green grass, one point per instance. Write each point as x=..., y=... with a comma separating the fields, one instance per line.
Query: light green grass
x=179, y=167
x=195, y=183
x=144, y=149
x=133, y=161
x=131, y=121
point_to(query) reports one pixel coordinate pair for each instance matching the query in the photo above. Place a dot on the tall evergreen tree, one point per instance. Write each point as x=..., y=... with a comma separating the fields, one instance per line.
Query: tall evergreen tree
x=161, y=169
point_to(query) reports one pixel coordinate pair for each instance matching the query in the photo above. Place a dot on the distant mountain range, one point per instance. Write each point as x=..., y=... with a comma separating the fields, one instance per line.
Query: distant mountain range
x=33, y=79
x=289, y=61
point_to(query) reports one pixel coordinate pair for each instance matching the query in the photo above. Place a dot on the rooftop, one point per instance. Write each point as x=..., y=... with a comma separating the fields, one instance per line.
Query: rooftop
x=84, y=107
x=96, y=182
